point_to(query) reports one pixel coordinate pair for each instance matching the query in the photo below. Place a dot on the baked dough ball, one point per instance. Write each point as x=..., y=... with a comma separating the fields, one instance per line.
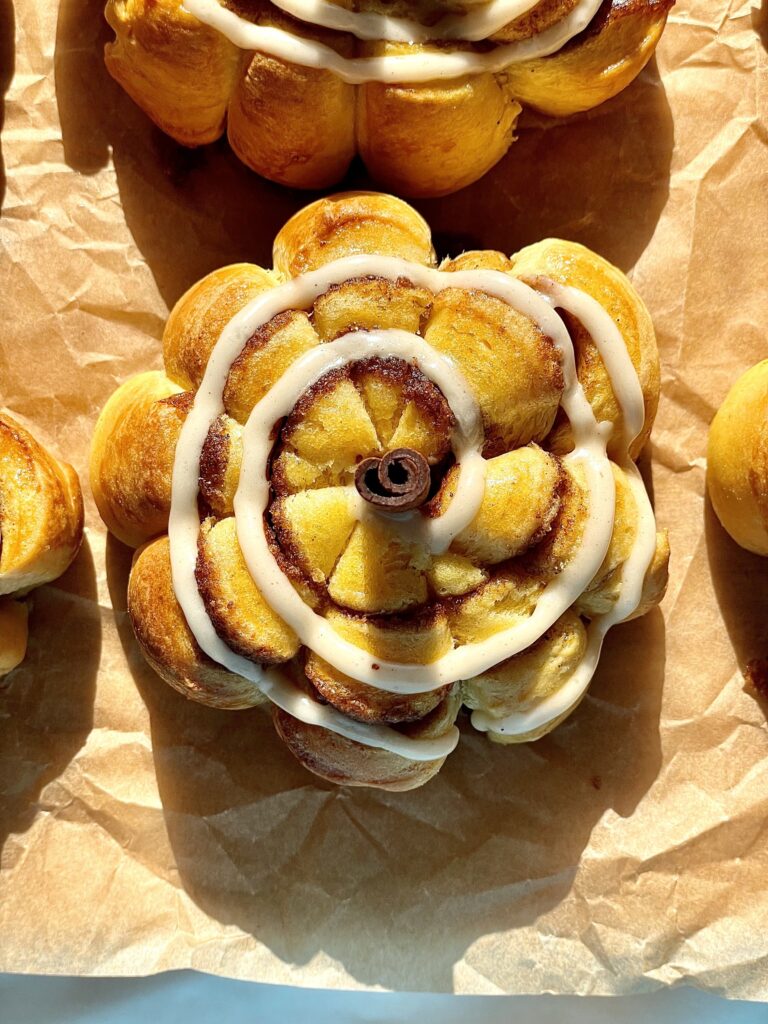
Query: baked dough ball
x=737, y=461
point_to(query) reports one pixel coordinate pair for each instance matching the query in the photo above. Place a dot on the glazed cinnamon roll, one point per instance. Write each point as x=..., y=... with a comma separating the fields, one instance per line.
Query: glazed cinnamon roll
x=428, y=94
x=41, y=529
x=366, y=490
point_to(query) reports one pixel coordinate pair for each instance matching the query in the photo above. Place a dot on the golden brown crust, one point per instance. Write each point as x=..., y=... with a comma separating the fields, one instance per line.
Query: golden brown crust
x=507, y=599
x=267, y=354
x=239, y=613
x=551, y=554
x=510, y=365
x=220, y=462
x=595, y=65
x=413, y=402
x=365, y=703
x=41, y=529
x=520, y=504
x=166, y=640
x=293, y=125
x=411, y=389
x=737, y=460
x=369, y=304
x=348, y=224
x=348, y=763
x=542, y=16
x=197, y=319
x=301, y=126
x=312, y=529
x=379, y=572
x=411, y=640
x=327, y=434
x=132, y=455
x=477, y=259
x=431, y=140
x=515, y=685
x=41, y=511
x=179, y=71
x=572, y=264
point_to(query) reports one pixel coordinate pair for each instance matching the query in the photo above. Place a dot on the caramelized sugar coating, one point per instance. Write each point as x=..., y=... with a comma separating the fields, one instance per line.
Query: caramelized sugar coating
x=381, y=590
x=41, y=529
x=302, y=126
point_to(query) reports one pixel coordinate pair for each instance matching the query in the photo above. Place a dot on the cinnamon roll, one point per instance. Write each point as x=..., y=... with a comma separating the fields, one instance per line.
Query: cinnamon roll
x=428, y=94
x=366, y=490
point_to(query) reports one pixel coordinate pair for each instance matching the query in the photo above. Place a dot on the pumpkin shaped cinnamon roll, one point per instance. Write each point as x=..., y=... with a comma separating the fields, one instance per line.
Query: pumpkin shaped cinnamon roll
x=366, y=489
x=427, y=93
x=41, y=529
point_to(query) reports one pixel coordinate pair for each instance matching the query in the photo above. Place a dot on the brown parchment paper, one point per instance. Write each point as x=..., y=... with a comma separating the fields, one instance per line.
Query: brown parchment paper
x=140, y=832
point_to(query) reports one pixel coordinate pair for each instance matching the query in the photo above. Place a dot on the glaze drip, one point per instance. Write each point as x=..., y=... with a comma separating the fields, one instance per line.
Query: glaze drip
x=481, y=22
x=401, y=68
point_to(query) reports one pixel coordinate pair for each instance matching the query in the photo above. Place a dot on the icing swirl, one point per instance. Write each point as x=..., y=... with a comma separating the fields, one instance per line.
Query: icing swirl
x=482, y=21
x=540, y=304
x=402, y=68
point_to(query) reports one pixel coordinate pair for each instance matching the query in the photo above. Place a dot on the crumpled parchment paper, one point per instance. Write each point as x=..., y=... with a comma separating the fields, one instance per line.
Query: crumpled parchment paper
x=140, y=832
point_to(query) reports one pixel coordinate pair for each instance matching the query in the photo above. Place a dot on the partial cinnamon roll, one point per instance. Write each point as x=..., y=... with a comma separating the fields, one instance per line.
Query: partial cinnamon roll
x=366, y=490
x=428, y=95
x=41, y=529
x=737, y=460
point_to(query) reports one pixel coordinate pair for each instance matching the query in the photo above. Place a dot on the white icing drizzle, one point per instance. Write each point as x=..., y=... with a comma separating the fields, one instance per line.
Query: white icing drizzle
x=629, y=396
x=481, y=22
x=316, y=632
x=253, y=493
x=400, y=68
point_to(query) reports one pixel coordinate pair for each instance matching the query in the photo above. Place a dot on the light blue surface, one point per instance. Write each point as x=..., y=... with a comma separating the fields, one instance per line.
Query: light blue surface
x=188, y=998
